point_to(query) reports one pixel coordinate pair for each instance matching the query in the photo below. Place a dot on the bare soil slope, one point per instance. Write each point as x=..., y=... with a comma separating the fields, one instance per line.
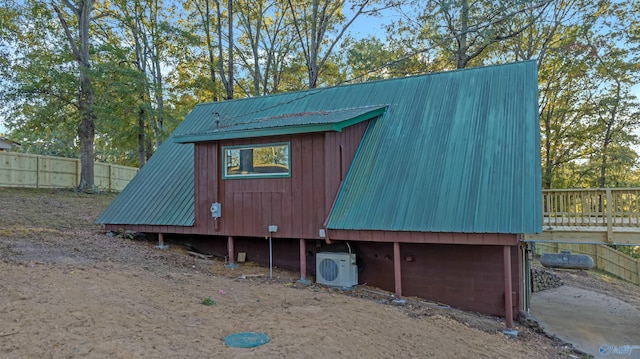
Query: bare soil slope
x=67, y=290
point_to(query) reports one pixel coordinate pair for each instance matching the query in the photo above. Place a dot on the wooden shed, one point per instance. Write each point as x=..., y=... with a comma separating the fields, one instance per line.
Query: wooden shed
x=429, y=180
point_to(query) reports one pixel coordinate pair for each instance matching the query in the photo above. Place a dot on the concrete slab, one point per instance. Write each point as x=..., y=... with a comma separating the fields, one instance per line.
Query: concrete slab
x=594, y=323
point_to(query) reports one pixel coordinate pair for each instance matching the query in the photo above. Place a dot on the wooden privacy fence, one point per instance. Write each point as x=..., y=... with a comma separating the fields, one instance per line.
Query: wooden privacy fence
x=35, y=171
x=604, y=257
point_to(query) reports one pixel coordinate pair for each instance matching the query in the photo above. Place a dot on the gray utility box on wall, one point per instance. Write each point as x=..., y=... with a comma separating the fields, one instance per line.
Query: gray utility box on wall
x=336, y=269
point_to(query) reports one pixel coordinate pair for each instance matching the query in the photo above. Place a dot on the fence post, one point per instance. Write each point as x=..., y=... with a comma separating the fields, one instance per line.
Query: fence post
x=78, y=173
x=596, y=256
x=609, y=208
x=637, y=272
x=38, y=172
x=109, y=178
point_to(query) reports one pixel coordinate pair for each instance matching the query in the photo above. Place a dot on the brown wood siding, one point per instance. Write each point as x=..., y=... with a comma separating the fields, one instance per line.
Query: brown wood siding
x=205, y=186
x=466, y=277
x=298, y=205
x=249, y=206
x=340, y=149
x=469, y=277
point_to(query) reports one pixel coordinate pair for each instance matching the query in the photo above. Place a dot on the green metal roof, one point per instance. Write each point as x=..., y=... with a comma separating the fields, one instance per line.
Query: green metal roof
x=283, y=124
x=161, y=193
x=455, y=151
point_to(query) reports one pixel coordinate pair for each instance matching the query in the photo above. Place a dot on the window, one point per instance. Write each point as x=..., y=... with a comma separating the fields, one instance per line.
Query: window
x=257, y=161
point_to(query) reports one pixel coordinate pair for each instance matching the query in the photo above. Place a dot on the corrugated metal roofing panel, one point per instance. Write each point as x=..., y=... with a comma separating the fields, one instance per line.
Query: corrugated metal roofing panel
x=453, y=152
x=464, y=159
x=282, y=124
x=161, y=193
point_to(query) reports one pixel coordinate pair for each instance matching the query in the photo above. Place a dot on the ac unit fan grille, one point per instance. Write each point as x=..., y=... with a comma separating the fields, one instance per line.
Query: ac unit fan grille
x=329, y=269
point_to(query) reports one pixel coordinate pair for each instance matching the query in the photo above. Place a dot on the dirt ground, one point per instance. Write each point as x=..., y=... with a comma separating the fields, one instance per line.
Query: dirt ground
x=591, y=311
x=67, y=290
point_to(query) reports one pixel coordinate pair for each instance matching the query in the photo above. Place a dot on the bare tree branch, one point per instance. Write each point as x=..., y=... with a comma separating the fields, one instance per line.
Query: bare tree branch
x=67, y=32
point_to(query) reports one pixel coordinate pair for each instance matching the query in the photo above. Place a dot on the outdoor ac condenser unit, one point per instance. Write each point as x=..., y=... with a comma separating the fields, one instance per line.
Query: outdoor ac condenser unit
x=336, y=269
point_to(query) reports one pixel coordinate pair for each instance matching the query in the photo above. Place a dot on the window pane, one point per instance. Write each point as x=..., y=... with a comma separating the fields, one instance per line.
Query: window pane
x=257, y=161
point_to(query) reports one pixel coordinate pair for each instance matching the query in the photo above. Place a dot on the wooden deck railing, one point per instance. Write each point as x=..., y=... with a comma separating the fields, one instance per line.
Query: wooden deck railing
x=619, y=207
x=606, y=209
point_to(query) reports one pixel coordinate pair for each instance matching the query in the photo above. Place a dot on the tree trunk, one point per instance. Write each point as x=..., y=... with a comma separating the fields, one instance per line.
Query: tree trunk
x=548, y=169
x=159, y=95
x=86, y=96
x=227, y=80
x=461, y=57
x=156, y=68
x=86, y=133
x=141, y=136
x=206, y=22
x=608, y=137
x=314, y=47
x=141, y=65
x=230, y=52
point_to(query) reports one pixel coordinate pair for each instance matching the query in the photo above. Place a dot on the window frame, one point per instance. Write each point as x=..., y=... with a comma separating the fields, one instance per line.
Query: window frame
x=226, y=176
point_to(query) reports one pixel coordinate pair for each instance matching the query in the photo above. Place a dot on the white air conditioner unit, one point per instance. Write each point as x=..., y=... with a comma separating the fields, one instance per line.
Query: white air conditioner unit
x=336, y=269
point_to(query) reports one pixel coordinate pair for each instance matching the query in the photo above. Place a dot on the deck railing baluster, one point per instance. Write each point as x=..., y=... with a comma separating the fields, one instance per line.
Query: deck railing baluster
x=612, y=215
x=607, y=207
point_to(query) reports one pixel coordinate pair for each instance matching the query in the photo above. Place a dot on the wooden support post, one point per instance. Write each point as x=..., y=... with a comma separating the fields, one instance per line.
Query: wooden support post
x=609, y=207
x=508, y=299
x=397, y=273
x=303, y=263
x=232, y=253
x=303, y=260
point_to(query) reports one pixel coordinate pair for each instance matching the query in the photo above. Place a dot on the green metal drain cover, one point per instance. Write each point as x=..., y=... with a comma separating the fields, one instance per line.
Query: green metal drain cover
x=246, y=340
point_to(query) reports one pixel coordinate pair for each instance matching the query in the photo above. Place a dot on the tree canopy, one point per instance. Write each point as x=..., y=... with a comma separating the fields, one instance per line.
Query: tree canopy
x=110, y=80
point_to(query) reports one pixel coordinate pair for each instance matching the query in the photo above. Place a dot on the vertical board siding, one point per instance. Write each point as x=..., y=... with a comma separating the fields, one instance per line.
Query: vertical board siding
x=206, y=182
x=331, y=168
x=305, y=204
x=296, y=188
x=319, y=211
x=466, y=277
x=298, y=205
x=340, y=149
x=249, y=206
